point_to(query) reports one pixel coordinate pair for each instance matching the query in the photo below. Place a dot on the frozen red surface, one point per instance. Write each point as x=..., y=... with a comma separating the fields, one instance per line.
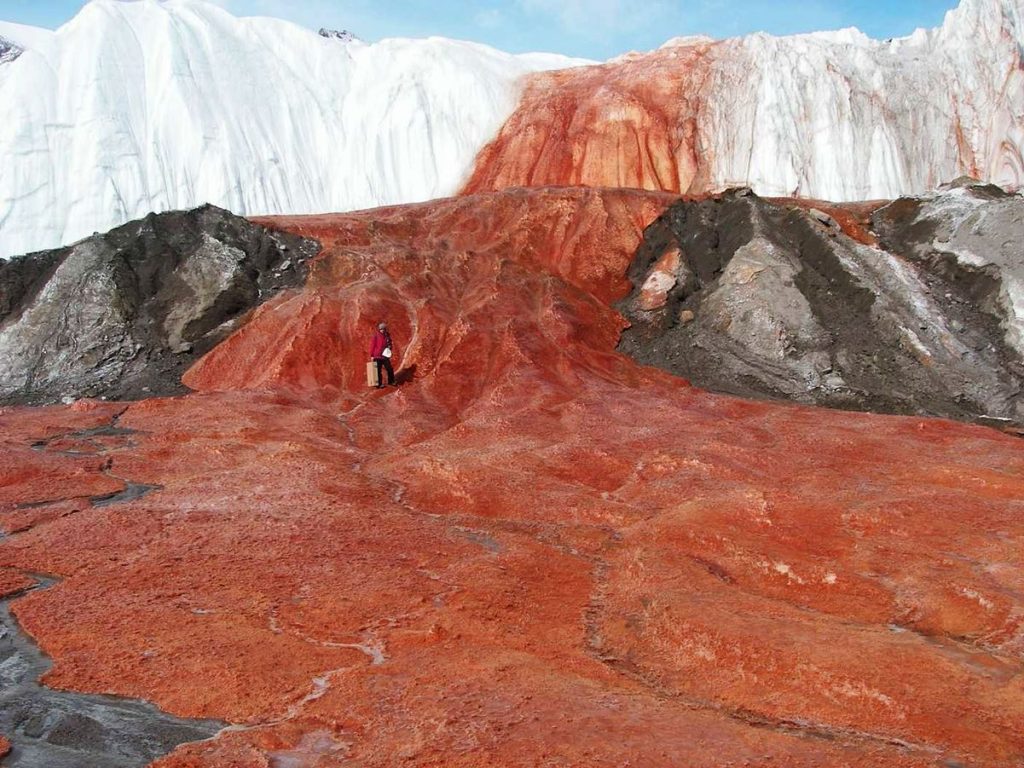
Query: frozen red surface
x=533, y=552
x=629, y=123
x=29, y=478
x=12, y=581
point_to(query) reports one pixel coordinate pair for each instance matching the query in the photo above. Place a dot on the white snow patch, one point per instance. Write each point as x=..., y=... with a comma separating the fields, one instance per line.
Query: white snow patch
x=1012, y=299
x=980, y=599
x=787, y=571
x=659, y=282
x=915, y=342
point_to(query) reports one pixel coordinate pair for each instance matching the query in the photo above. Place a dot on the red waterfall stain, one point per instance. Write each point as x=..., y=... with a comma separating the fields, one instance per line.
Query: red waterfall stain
x=629, y=123
x=854, y=219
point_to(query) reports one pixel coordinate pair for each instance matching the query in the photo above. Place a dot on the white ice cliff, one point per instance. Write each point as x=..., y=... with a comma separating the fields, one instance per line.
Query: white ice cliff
x=839, y=116
x=140, y=106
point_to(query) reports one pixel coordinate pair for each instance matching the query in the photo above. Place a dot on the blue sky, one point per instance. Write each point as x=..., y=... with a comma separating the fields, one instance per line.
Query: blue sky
x=595, y=29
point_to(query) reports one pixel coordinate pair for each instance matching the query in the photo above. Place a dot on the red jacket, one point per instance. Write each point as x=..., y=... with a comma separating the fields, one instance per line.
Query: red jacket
x=381, y=341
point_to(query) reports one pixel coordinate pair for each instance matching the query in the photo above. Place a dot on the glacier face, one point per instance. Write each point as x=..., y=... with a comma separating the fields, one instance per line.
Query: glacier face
x=143, y=106
x=839, y=116
x=831, y=115
x=150, y=106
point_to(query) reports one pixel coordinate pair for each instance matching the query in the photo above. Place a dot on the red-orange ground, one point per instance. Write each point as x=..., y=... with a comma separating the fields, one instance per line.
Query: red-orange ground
x=533, y=552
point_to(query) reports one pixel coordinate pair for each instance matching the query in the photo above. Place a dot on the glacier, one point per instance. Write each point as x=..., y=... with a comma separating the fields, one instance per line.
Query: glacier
x=829, y=115
x=839, y=116
x=134, y=107
x=154, y=105
x=25, y=36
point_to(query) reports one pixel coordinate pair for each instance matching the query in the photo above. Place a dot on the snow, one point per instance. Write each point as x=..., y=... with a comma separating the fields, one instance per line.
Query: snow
x=15, y=39
x=143, y=106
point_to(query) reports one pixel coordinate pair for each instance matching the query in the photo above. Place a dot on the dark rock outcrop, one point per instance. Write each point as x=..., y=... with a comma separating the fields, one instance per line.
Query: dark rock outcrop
x=122, y=315
x=338, y=34
x=9, y=51
x=750, y=297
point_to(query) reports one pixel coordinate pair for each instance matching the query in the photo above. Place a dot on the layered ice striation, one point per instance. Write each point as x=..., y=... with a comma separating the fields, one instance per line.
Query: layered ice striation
x=153, y=106
x=840, y=116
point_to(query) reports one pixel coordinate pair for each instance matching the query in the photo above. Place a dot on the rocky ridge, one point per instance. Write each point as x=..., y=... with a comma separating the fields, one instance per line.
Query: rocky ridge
x=124, y=314
x=338, y=34
x=912, y=307
x=754, y=297
x=8, y=51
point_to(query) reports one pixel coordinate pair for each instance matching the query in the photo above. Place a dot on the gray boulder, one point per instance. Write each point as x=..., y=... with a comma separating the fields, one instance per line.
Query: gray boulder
x=928, y=321
x=123, y=315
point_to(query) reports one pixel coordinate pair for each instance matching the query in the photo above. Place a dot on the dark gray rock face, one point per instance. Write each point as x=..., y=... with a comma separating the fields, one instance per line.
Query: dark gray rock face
x=771, y=300
x=338, y=34
x=123, y=315
x=8, y=51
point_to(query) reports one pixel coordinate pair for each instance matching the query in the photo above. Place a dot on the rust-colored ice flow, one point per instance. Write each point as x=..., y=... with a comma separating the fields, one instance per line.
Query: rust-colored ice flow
x=533, y=552
x=629, y=123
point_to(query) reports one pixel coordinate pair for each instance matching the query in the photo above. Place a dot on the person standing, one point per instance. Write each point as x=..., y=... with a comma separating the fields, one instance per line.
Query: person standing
x=381, y=351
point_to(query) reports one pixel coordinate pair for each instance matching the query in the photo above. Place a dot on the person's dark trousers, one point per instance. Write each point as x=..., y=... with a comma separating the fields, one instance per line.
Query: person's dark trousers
x=385, y=363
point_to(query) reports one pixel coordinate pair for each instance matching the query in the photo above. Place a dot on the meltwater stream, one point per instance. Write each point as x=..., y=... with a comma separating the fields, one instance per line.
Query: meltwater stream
x=58, y=729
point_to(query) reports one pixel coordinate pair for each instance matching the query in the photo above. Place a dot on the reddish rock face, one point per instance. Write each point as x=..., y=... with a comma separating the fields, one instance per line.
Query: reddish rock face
x=662, y=278
x=533, y=552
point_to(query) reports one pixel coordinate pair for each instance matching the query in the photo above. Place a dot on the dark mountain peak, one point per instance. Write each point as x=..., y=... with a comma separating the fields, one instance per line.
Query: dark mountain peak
x=9, y=51
x=334, y=34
